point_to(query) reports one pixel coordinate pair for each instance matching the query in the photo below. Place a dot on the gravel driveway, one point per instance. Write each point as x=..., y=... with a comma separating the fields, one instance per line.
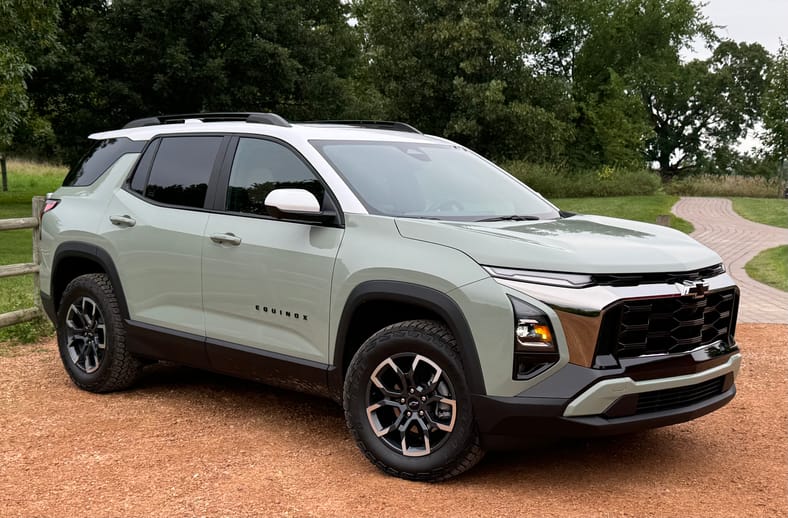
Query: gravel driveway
x=186, y=443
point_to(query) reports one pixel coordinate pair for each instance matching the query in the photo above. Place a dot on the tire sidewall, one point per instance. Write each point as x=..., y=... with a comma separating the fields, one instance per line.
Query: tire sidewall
x=371, y=354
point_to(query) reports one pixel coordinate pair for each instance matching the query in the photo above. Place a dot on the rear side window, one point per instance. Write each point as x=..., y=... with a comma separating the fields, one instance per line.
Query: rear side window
x=259, y=167
x=99, y=159
x=181, y=170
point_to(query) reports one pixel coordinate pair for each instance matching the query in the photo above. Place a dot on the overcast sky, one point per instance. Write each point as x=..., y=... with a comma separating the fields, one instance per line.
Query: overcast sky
x=764, y=21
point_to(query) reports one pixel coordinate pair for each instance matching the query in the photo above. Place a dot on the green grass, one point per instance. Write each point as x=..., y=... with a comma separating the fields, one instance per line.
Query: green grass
x=25, y=180
x=639, y=208
x=769, y=211
x=770, y=267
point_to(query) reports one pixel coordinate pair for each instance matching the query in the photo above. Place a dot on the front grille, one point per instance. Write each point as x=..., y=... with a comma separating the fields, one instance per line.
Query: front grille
x=668, y=325
x=678, y=397
x=634, y=279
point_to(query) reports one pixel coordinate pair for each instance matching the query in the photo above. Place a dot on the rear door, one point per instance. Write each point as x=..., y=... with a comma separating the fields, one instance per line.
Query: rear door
x=266, y=282
x=154, y=230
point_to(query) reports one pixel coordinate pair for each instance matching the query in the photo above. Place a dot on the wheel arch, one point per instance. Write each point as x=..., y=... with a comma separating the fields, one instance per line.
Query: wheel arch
x=74, y=258
x=405, y=301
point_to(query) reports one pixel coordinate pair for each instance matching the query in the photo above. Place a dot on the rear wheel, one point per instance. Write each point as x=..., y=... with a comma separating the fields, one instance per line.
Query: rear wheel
x=92, y=337
x=407, y=404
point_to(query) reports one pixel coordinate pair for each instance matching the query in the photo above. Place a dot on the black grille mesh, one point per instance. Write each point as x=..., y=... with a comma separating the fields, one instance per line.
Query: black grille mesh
x=678, y=397
x=669, y=325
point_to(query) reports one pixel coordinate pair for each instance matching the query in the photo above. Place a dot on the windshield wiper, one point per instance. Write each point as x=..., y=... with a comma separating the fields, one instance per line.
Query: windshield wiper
x=513, y=217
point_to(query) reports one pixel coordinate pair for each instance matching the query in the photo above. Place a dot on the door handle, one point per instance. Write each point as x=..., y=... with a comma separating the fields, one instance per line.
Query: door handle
x=226, y=239
x=123, y=221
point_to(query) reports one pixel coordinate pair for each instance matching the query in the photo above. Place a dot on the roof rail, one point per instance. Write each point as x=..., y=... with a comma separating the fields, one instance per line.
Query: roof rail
x=371, y=124
x=259, y=118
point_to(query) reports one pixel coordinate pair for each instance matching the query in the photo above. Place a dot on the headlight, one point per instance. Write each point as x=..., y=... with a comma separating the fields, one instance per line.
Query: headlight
x=532, y=334
x=535, y=349
x=566, y=280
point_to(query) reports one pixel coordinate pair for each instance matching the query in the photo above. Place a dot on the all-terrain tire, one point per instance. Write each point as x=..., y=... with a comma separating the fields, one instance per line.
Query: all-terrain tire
x=379, y=371
x=92, y=337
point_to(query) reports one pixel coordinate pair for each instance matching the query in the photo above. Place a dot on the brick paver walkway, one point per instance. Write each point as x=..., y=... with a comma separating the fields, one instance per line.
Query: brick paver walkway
x=738, y=240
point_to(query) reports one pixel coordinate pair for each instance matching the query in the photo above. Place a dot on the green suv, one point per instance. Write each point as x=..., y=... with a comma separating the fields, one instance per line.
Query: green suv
x=447, y=306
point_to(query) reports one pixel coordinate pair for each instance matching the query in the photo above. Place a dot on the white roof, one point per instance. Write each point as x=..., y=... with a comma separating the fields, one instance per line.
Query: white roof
x=304, y=131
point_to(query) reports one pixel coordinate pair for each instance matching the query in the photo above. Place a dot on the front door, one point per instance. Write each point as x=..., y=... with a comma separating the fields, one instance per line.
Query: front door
x=267, y=282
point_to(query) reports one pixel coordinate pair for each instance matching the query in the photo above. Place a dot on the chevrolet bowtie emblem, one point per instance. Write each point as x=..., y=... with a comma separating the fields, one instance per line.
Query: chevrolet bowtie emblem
x=696, y=289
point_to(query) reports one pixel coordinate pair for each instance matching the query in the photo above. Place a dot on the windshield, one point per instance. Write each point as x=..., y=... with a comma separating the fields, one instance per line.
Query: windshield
x=436, y=181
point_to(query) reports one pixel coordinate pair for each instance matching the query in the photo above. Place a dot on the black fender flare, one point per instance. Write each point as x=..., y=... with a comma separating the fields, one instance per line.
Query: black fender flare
x=78, y=249
x=417, y=295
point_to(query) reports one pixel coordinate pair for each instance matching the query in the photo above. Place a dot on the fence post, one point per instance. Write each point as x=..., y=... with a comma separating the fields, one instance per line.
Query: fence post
x=4, y=173
x=38, y=206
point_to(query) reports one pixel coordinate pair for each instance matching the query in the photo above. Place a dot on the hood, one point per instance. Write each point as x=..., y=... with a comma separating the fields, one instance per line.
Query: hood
x=578, y=244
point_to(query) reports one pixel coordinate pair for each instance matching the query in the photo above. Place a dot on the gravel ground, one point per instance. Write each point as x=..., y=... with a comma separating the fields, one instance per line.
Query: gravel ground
x=186, y=443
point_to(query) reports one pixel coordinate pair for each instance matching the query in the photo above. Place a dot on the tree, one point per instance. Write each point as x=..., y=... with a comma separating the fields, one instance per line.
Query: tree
x=26, y=28
x=704, y=105
x=461, y=69
x=136, y=58
x=609, y=48
x=775, y=106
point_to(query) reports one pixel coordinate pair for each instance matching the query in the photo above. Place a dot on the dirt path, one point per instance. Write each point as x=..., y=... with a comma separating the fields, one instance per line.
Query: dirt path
x=186, y=443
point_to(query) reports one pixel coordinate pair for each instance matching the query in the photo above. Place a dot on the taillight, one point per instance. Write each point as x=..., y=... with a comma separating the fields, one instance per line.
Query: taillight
x=49, y=205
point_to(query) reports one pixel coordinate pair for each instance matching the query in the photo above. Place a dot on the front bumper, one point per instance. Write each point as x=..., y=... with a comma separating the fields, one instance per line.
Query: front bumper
x=580, y=401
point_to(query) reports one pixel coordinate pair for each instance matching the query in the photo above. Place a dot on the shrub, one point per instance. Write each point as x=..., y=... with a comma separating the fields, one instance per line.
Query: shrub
x=557, y=182
x=726, y=185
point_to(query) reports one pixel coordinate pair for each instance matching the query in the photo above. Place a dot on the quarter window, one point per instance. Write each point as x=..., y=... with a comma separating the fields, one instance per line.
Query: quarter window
x=99, y=159
x=259, y=167
x=182, y=169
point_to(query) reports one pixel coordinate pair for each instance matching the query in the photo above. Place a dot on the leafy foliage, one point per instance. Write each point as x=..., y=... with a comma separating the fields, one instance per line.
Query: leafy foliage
x=552, y=181
x=579, y=83
x=460, y=69
x=135, y=58
x=25, y=29
x=702, y=106
x=775, y=106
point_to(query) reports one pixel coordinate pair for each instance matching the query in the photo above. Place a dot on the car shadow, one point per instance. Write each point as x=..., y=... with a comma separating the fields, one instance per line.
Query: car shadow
x=567, y=463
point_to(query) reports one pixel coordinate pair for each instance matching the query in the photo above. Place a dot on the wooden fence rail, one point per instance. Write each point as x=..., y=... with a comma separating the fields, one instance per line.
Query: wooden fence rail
x=12, y=270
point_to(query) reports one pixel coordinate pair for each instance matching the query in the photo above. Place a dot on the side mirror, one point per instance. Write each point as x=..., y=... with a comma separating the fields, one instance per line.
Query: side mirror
x=297, y=204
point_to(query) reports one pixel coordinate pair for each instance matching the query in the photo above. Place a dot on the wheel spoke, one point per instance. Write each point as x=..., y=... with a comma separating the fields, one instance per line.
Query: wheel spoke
x=446, y=427
x=73, y=311
x=81, y=353
x=377, y=426
x=91, y=359
x=375, y=378
x=75, y=337
x=74, y=327
x=425, y=434
x=85, y=317
x=101, y=336
x=436, y=375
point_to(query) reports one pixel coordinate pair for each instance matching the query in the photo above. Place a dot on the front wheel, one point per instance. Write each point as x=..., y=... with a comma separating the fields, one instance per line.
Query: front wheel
x=407, y=404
